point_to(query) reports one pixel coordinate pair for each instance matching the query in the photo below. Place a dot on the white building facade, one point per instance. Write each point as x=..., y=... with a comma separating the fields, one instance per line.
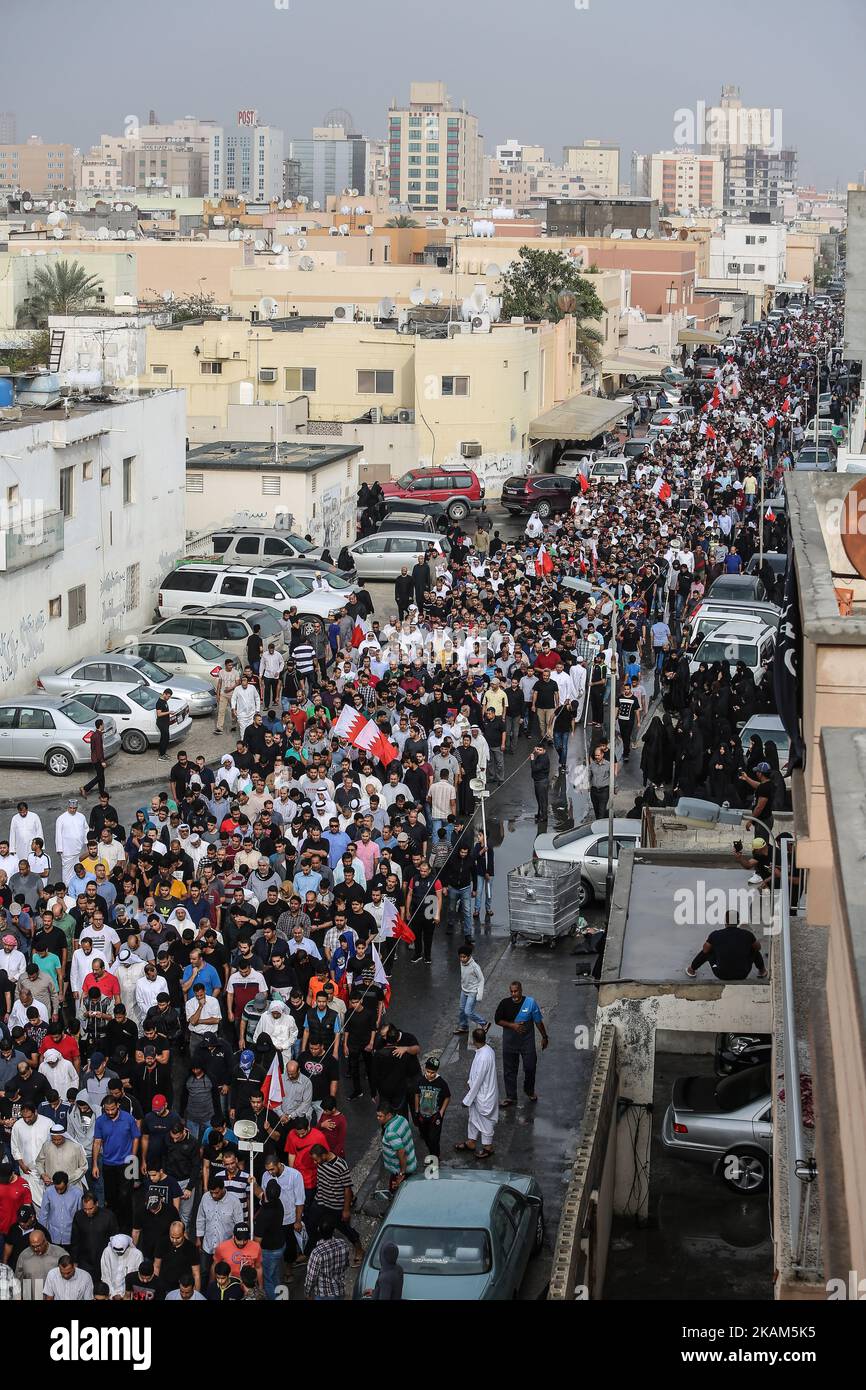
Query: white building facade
x=749, y=250
x=92, y=517
x=246, y=158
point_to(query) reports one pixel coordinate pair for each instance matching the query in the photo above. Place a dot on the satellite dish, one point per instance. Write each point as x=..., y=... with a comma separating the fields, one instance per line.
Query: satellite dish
x=332, y=231
x=369, y=229
x=479, y=786
x=281, y=203
x=127, y=207
x=363, y=210
x=35, y=226
x=56, y=219
x=52, y=206
x=345, y=210
x=245, y=1129
x=260, y=245
x=235, y=234
x=247, y=236
x=317, y=207
x=278, y=248
x=354, y=192
x=27, y=206
x=168, y=296
x=306, y=263
x=343, y=231
x=62, y=206
x=416, y=296
x=58, y=233
x=435, y=296
x=268, y=308
x=219, y=221
x=118, y=207
x=102, y=234
x=386, y=309
x=303, y=200
x=130, y=235
x=302, y=241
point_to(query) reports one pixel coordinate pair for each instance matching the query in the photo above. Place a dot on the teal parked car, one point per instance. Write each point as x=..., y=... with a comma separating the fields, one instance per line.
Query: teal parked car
x=464, y=1236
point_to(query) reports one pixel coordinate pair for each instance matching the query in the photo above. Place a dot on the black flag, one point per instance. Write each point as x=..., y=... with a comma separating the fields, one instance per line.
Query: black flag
x=787, y=665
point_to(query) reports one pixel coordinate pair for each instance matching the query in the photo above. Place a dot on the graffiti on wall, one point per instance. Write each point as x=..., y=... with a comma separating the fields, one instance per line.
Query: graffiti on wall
x=20, y=650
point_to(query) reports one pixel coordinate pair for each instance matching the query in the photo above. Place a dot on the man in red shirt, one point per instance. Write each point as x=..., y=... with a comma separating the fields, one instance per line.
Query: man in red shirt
x=300, y=1140
x=64, y=1043
x=546, y=659
x=332, y=1123
x=100, y=978
x=240, y=1251
x=14, y=1193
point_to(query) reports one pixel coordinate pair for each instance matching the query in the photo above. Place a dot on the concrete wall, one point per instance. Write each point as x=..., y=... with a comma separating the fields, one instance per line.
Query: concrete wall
x=103, y=539
x=855, y=276
x=321, y=502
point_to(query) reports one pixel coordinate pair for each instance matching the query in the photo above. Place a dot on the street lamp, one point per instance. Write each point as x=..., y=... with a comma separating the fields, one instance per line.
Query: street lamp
x=581, y=586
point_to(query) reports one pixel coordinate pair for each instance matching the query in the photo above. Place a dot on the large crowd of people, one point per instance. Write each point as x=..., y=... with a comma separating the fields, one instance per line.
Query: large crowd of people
x=236, y=952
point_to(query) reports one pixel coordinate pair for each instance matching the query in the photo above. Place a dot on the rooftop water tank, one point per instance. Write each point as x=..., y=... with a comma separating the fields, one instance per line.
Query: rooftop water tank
x=7, y=392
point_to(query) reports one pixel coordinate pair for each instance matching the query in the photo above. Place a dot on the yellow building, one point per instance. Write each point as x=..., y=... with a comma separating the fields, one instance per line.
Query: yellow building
x=435, y=151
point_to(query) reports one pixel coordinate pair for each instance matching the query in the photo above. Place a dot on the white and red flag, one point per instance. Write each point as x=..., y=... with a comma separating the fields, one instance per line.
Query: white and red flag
x=363, y=733
x=395, y=925
x=359, y=632
x=662, y=490
x=272, y=1086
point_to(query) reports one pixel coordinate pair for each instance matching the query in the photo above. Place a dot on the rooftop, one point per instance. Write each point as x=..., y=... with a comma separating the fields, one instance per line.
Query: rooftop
x=816, y=507
x=292, y=457
x=38, y=415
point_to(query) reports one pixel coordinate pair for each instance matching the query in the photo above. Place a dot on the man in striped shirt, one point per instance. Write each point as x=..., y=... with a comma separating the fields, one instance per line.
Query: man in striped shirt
x=334, y=1196
x=398, y=1146
x=304, y=657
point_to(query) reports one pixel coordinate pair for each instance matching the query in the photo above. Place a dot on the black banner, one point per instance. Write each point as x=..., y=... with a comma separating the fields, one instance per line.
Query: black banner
x=788, y=665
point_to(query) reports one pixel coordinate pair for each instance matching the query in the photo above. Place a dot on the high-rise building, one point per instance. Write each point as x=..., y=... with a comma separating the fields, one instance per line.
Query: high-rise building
x=758, y=171
x=435, y=152
x=245, y=159
x=681, y=181
x=37, y=168
x=334, y=159
x=8, y=128
x=596, y=163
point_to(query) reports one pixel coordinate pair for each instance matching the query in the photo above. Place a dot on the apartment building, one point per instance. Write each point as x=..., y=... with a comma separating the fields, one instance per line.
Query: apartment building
x=245, y=159
x=596, y=163
x=749, y=249
x=90, y=526
x=38, y=168
x=682, y=182
x=514, y=153
x=435, y=152
x=8, y=128
x=332, y=160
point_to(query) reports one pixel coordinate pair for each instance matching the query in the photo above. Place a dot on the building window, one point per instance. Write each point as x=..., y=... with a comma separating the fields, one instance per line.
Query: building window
x=67, y=491
x=76, y=600
x=12, y=495
x=133, y=586
x=159, y=369
x=314, y=485
x=375, y=383
x=128, y=471
x=195, y=482
x=526, y=381
x=87, y=470
x=55, y=607
x=211, y=368
x=455, y=386
x=349, y=469
x=271, y=484
x=300, y=379
x=105, y=477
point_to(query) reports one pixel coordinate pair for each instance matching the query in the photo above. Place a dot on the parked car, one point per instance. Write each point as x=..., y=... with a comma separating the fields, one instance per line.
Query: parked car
x=277, y=589
x=184, y=656
x=726, y=1123
x=575, y=461
x=382, y=556
x=406, y=511
x=638, y=449
x=737, y=588
x=227, y=625
x=768, y=727
x=812, y=460
x=51, y=731
x=737, y=642
x=705, y=367
x=671, y=417
x=332, y=582
x=609, y=470
x=110, y=669
x=134, y=713
x=828, y=432
x=776, y=559
x=459, y=489
x=468, y=1237
x=586, y=846
x=251, y=545
x=711, y=616
x=545, y=493
x=407, y=521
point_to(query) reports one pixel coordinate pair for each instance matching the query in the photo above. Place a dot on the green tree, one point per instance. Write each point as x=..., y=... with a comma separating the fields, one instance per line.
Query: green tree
x=183, y=308
x=402, y=221
x=547, y=285
x=62, y=288
x=26, y=357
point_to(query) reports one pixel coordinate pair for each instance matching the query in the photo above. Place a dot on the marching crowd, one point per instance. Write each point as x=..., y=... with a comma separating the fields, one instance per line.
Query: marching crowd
x=234, y=956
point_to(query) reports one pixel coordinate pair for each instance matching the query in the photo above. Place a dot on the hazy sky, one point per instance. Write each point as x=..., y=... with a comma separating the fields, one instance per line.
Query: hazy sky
x=545, y=72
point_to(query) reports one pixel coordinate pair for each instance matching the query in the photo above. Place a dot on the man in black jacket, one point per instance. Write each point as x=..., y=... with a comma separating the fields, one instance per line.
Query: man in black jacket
x=92, y=1229
x=404, y=591
x=539, y=761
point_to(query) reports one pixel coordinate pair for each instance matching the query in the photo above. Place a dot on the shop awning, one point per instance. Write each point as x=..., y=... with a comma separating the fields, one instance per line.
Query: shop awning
x=643, y=365
x=693, y=337
x=580, y=417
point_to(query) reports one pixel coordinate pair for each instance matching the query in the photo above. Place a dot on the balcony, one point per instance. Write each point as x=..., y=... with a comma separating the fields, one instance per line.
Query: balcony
x=31, y=539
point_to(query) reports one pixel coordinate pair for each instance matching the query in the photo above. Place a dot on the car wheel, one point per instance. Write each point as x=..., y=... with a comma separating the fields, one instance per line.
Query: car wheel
x=543, y=510
x=133, y=741
x=745, y=1170
x=585, y=894
x=59, y=763
x=458, y=511
x=539, y=1233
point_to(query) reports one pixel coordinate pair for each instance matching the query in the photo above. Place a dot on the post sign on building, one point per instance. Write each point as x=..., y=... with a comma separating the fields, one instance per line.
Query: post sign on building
x=249, y=117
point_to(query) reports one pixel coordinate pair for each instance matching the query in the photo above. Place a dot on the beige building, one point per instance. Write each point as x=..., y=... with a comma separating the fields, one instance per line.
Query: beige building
x=471, y=395
x=100, y=174
x=683, y=182
x=37, y=167
x=507, y=184
x=179, y=165
x=596, y=163
x=435, y=152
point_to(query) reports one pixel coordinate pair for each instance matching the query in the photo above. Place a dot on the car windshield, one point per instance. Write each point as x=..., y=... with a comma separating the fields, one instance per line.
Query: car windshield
x=336, y=581
x=77, y=712
x=147, y=668
x=295, y=587
x=144, y=696
x=610, y=470
x=437, y=1251
x=298, y=542
x=728, y=649
x=407, y=480
x=206, y=650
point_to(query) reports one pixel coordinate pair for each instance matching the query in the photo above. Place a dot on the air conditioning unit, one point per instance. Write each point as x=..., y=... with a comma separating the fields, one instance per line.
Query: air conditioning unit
x=344, y=313
x=466, y=328
x=267, y=374
x=480, y=323
x=470, y=449
x=405, y=417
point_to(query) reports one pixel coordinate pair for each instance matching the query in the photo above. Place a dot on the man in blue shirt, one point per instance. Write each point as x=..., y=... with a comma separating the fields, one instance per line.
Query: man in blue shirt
x=518, y=1016
x=338, y=842
x=116, y=1138
x=200, y=972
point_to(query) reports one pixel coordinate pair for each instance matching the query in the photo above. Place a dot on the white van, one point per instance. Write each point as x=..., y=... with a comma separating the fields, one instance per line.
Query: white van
x=266, y=586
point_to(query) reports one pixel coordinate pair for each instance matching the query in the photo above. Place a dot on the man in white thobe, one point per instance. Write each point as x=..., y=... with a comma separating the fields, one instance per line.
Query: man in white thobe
x=482, y=1097
x=70, y=835
x=245, y=703
x=28, y=1135
x=24, y=828
x=129, y=969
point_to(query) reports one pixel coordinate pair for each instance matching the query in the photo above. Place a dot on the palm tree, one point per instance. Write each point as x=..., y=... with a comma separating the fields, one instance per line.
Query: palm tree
x=64, y=288
x=588, y=342
x=402, y=221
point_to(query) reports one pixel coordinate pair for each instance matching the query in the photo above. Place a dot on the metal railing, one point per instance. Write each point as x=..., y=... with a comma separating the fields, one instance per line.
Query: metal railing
x=800, y=1161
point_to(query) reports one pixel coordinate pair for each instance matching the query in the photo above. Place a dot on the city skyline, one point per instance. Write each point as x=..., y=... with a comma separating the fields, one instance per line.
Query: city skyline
x=630, y=100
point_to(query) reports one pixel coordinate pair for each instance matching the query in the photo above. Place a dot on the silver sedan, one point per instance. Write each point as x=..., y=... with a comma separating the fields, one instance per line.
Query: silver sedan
x=383, y=556
x=110, y=669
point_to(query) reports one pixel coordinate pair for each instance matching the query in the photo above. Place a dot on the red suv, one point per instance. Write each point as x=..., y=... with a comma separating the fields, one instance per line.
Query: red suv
x=459, y=490
x=545, y=493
